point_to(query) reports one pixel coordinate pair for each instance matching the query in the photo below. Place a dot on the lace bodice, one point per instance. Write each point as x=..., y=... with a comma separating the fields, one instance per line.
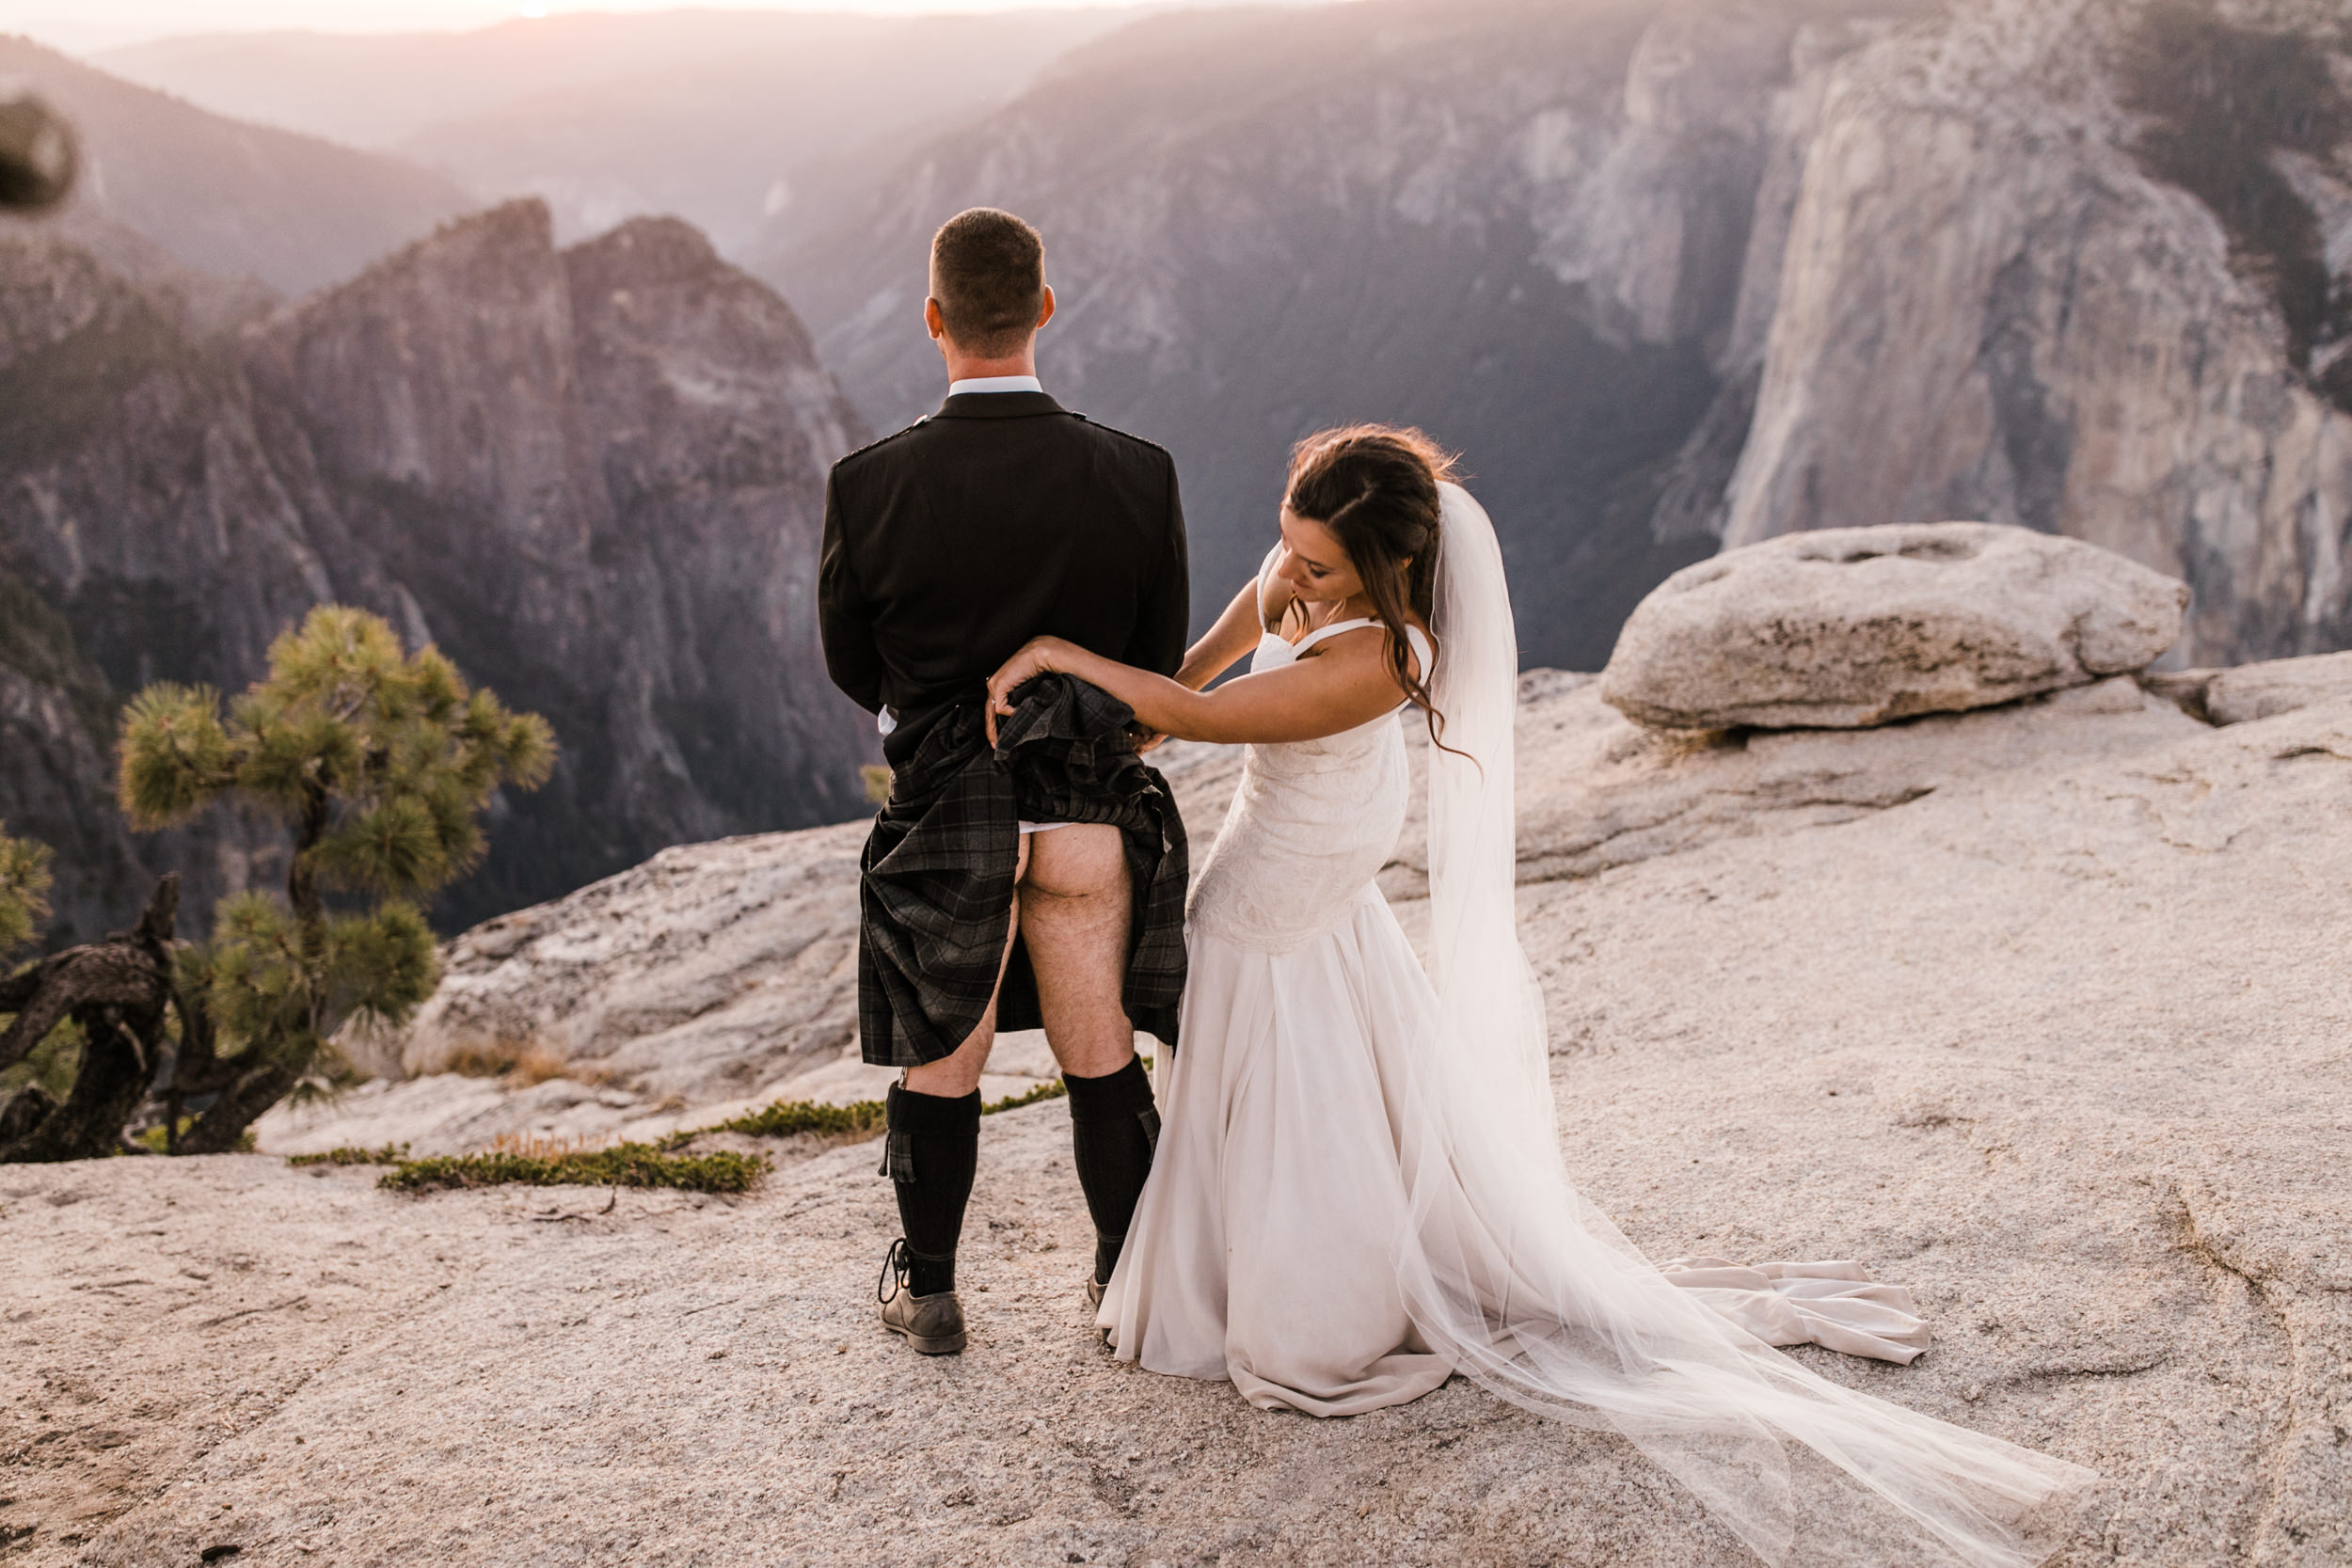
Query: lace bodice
x=1311, y=823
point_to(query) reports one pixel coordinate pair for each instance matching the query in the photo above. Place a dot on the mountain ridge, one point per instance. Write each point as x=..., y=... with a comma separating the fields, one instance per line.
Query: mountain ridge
x=593, y=475
x=223, y=197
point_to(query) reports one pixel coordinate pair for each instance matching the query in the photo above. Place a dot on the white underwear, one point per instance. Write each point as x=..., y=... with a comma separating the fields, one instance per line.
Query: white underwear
x=1045, y=827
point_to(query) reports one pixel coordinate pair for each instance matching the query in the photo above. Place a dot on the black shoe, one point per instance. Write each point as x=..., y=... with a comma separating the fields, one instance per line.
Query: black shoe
x=933, y=1324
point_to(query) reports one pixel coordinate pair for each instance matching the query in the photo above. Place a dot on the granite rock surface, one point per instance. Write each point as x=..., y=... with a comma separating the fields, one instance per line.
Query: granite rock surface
x=718, y=977
x=2058, y=1041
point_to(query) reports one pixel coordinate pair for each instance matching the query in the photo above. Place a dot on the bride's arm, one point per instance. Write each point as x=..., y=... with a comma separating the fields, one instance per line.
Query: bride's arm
x=1344, y=683
x=1233, y=637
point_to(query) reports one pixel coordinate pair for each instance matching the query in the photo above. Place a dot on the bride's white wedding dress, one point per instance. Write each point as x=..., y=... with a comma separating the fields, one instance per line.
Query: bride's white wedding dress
x=1358, y=1191
x=1275, y=1185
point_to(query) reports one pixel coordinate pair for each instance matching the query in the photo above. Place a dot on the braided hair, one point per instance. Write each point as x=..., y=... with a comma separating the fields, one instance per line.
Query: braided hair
x=1375, y=488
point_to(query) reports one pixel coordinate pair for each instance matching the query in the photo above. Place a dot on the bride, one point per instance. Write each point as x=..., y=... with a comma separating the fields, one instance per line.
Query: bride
x=1359, y=1189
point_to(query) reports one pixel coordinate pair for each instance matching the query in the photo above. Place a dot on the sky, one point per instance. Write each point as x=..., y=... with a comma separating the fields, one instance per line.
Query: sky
x=82, y=26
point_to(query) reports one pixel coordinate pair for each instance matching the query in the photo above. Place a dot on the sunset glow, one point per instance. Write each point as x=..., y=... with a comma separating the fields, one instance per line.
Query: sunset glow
x=85, y=24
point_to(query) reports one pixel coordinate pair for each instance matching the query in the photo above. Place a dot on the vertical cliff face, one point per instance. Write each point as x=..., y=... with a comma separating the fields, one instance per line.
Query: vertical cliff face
x=143, y=536
x=715, y=427
x=595, y=477
x=2083, y=265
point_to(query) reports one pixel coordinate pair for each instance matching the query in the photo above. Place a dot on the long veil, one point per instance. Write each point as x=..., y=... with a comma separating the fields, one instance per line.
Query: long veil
x=1536, y=1295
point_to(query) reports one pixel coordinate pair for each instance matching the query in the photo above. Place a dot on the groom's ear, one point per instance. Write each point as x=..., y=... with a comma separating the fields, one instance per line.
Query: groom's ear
x=1044, y=312
x=934, y=321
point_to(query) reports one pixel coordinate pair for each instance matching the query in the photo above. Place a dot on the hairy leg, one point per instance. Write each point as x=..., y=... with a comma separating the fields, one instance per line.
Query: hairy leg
x=1076, y=907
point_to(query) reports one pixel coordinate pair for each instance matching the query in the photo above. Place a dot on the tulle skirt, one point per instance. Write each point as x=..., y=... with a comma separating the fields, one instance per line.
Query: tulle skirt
x=1340, y=1215
x=1264, y=1247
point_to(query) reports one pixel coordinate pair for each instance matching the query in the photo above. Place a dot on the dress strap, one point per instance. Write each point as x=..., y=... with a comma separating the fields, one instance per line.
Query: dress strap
x=1413, y=637
x=1332, y=630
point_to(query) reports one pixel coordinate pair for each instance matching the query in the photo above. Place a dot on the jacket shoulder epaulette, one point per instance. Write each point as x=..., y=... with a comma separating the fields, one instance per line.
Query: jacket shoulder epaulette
x=875, y=445
x=1123, y=434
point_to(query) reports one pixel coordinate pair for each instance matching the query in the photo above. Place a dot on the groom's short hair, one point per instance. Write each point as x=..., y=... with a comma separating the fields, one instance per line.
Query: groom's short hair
x=988, y=273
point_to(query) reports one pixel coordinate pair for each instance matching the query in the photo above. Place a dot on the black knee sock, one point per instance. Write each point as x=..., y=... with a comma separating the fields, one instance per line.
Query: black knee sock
x=1113, y=1126
x=932, y=1149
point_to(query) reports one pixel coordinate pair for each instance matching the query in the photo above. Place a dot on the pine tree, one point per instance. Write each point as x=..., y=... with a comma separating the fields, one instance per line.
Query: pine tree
x=23, y=889
x=379, y=765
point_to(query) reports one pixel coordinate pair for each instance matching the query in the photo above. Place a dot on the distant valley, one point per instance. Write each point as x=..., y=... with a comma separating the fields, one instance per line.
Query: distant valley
x=231, y=201
x=733, y=120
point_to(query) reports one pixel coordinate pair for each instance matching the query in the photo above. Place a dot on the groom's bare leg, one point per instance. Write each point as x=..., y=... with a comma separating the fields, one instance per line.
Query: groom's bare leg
x=1078, y=907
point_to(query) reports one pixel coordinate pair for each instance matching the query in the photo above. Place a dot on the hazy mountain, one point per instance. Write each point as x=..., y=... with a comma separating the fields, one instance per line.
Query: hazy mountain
x=593, y=476
x=724, y=118
x=226, y=198
x=1669, y=272
x=1520, y=225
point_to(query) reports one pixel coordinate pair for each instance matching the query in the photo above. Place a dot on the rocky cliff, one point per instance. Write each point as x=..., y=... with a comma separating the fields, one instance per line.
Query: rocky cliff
x=593, y=476
x=1673, y=275
x=1519, y=225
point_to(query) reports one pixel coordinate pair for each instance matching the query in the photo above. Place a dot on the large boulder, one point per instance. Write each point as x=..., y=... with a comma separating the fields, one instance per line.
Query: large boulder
x=1844, y=628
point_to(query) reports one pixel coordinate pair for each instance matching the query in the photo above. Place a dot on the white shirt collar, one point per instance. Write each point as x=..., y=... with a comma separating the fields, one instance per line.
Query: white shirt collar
x=994, y=383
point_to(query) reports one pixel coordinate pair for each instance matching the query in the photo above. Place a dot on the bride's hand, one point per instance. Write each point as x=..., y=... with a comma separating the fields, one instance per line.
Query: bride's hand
x=1035, y=659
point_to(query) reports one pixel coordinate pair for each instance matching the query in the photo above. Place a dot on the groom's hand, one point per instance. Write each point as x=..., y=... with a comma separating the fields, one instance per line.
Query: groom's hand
x=1145, y=739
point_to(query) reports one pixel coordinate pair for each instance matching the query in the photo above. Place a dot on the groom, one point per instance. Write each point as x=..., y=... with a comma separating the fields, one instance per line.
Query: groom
x=1040, y=882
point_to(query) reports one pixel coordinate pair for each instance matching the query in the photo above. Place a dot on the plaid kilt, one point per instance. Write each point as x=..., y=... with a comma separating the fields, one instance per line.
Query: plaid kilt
x=936, y=879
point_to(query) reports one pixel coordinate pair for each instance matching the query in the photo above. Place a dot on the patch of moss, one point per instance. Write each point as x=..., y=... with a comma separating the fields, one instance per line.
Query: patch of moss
x=629, y=1164
x=860, y=1119
x=632, y=1164
x=2223, y=100
x=863, y=1119
x=1053, y=1088
x=390, y=1154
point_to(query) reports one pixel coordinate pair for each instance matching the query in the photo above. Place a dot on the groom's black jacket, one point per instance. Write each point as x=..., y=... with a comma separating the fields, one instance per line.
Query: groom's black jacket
x=1001, y=518
x=948, y=546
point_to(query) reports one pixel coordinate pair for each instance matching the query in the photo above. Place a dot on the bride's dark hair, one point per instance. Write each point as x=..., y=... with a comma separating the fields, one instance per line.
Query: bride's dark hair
x=1375, y=488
